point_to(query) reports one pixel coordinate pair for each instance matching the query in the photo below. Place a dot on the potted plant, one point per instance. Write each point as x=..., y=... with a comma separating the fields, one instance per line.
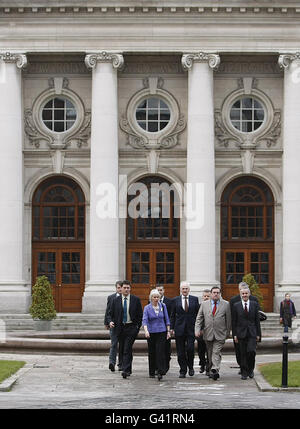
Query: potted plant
x=42, y=308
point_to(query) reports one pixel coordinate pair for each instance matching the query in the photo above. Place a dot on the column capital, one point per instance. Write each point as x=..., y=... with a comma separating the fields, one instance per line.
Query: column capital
x=19, y=59
x=116, y=59
x=285, y=60
x=187, y=60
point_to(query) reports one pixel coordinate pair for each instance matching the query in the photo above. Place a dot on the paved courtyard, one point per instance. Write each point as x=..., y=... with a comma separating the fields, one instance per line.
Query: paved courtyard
x=84, y=381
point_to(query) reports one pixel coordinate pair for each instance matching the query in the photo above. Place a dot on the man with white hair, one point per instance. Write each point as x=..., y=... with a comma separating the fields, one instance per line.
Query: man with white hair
x=233, y=300
x=185, y=310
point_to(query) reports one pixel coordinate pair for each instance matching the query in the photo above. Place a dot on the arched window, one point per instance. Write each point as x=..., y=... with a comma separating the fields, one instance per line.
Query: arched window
x=247, y=210
x=58, y=208
x=153, y=212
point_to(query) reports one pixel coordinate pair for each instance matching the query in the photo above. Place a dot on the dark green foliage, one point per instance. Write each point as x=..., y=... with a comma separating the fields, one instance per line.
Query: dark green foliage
x=42, y=306
x=254, y=287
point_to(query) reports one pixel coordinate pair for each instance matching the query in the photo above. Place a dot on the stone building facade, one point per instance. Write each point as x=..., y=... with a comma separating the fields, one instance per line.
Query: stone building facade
x=100, y=100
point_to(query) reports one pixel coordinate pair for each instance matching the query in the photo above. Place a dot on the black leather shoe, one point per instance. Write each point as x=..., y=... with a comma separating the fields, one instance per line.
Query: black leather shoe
x=202, y=369
x=251, y=374
x=214, y=374
x=181, y=375
x=125, y=374
x=191, y=372
x=159, y=377
x=111, y=367
x=244, y=377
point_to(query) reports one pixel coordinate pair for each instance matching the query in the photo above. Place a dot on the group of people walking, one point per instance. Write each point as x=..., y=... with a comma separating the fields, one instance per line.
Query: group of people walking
x=184, y=318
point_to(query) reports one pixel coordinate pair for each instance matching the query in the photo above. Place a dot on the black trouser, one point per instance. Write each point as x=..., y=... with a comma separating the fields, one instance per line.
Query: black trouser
x=237, y=353
x=247, y=354
x=168, y=354
x=157, y=352
x=126, y=338
x=202, y=351
x=185, y=346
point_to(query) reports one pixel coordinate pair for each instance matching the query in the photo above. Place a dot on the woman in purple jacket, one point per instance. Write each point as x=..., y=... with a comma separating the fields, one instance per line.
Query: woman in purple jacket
x=156, y=324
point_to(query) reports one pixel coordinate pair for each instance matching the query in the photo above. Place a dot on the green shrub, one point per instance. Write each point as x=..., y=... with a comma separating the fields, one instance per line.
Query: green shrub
x=254, y=287
x=42, y=306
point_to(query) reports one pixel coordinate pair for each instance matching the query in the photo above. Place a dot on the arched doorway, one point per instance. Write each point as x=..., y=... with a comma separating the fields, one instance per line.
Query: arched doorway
x=58, y=240
x=153, y=237
x=247, y=236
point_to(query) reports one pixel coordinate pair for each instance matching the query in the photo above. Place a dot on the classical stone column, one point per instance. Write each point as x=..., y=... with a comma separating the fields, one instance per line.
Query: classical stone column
x=290, y=179
x=14, y=295
x=104, y=221
x=200, y=222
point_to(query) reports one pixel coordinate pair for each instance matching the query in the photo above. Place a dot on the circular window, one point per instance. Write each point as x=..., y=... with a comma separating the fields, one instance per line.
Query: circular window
x=153, y=115
x=247, y=114
x=59, y=114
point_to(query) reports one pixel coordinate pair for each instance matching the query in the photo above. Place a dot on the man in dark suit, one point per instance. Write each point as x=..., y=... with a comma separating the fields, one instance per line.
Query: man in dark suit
x=126, y=315
x=202, y=352
x=233, y=300
x=246, y=331
x=183, y=317
x=169, y=304
x=112, y=331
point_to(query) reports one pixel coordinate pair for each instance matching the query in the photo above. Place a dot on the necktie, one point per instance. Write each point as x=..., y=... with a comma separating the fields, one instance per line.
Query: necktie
x=246, y=308
x=125, y=311
x=215, y=308
x=186, y=305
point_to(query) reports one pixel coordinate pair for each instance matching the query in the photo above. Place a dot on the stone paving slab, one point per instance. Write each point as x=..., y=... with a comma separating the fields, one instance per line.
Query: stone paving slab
x=85, y=382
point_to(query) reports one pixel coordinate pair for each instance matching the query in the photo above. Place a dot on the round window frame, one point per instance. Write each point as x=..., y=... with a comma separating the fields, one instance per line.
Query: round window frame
x=166, y=98
x=43, y=107
x=137, y=122
x=256, y=95
x=44, y=98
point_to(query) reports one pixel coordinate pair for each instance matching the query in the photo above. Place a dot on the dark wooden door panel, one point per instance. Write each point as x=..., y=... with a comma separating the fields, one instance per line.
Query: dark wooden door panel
x=149, y=266
x=65, y=268
x=255, y=260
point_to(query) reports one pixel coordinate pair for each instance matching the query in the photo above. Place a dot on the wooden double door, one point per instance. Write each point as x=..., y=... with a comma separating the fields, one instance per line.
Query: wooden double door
x=64, y=265
x=252, y=258
x=149, y=265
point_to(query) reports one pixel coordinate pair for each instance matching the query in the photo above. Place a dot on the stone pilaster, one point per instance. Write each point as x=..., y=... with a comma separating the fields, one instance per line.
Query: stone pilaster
x=290, y=179
x=14, y=294
x=104, y=221
x=200, y=226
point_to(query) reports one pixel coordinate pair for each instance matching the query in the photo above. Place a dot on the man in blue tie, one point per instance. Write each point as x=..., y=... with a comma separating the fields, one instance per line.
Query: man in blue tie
x=126, y=317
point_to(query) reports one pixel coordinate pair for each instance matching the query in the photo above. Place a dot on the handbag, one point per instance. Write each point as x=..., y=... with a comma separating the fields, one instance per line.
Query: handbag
x=262, y=316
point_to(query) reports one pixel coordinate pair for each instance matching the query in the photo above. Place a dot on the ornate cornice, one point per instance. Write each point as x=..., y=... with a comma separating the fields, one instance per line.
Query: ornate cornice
x=19, y=59
x=116, y=59
x=150, y=7
x=285, y=60
x=188, y=60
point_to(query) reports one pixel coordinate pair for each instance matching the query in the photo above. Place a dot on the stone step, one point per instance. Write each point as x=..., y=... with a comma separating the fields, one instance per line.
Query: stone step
x=79, y=321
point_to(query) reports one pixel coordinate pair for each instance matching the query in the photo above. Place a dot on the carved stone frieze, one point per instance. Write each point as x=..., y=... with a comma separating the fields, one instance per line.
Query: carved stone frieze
x=61, y=68
x=247, y=67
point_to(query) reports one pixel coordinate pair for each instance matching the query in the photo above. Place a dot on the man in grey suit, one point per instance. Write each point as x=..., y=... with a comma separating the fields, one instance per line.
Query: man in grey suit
x=215, y=318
